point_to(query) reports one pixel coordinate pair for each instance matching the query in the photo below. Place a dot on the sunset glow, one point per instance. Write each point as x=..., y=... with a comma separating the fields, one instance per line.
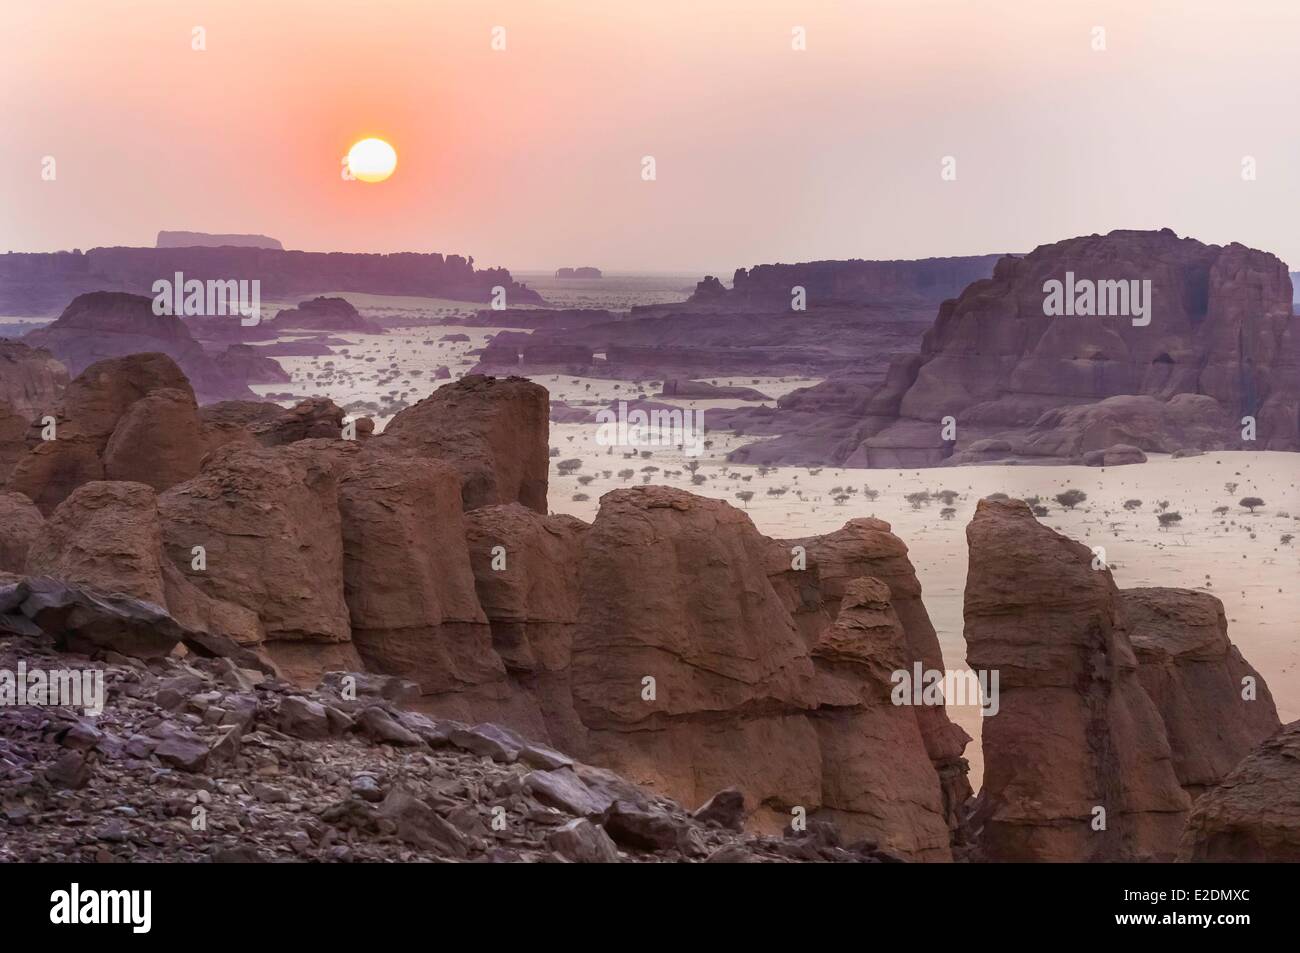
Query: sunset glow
x=372, y=160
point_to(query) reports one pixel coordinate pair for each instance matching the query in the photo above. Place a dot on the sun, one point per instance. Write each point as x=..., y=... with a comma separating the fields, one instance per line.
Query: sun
x=372, y=160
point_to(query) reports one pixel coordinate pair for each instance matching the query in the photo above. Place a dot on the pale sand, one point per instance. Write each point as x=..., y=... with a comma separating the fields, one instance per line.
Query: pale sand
x=1255, y=577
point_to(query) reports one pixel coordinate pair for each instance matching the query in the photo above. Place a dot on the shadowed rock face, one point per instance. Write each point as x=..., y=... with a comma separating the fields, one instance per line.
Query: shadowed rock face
x=526, y=571
x=847, y=282
x=38, y=283
x=94, y=405
x=1075, y=730
x=1215, y=706
x=493, y=431
x=1220, y=326
x=409, y=586
x=104, y=324
x=1023, y=385
x=1254, y=814
x=31, y=380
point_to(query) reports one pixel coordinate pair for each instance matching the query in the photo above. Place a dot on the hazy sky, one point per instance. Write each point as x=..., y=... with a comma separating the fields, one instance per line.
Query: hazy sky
x=531, y=157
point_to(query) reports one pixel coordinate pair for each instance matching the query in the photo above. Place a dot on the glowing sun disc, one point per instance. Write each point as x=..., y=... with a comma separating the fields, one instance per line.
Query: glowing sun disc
x=372, y=160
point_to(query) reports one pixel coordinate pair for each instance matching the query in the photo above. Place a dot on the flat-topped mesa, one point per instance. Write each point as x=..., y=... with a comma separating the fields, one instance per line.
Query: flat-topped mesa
x=40, y=283
x=493, y=431
x=838, y=283
x=1116, y=707
x=169, y=239
x=1193, y=337
x=702, y=660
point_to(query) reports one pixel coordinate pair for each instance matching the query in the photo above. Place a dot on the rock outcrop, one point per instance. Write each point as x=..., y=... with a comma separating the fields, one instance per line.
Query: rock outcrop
x=20, y=525
x=98, y=402
x=31, y=380
x=848, y=282
x=1216, y=708
x=689, y=667
x=1077, y=766
x=492, y=431
x=268, y=522
x=1254, y=814
x=324, y=314
x=1117, y=708
x=1217, y=344
x=104, y=325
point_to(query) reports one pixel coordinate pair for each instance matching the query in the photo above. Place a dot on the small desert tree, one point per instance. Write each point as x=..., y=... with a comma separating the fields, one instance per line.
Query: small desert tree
x=1071, y=498
x=1132, y=504
x=947, y=496
x=1169, y=519
x=948, y=512
x=745, y=496
x=1251, y=503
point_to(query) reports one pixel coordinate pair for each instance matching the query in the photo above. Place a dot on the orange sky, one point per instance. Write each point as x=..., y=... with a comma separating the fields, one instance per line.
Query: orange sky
x=530, y=158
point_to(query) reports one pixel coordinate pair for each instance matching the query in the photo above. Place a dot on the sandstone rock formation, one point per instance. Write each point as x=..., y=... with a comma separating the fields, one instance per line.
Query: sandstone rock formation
x=409, y=587
x=1075, y=734
x=1127, y=702
x=849, y=282
x=1216, y=708
x=1254, y=814
x=493, y=431
x=104, y=325
x=31, y=380
x=1218, y=328
x=1217, y=345
x=268, y=521
x=526, y=569
x=93, y=406
x=675, y=589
